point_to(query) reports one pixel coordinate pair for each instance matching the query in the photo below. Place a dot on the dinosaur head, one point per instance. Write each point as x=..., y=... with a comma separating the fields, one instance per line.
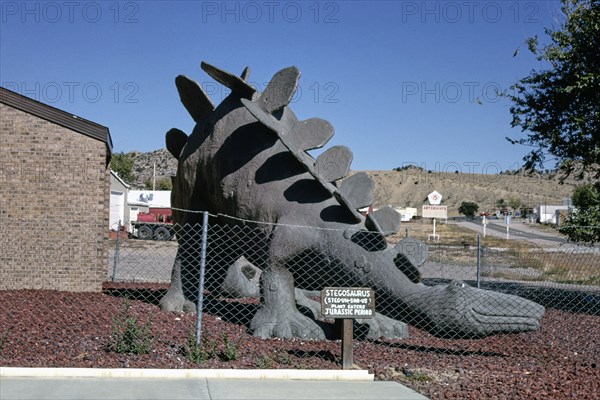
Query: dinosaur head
x=457, y=310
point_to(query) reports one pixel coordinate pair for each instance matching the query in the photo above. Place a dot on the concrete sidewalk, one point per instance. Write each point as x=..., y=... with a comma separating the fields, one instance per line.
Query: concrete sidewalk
x=95, y=384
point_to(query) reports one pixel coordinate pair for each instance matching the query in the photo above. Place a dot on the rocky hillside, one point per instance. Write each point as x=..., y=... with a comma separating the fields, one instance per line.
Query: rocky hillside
x=143, y=167
x=410, y=186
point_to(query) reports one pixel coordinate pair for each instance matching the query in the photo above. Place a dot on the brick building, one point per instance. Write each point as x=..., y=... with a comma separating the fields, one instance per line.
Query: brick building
x=54, y=197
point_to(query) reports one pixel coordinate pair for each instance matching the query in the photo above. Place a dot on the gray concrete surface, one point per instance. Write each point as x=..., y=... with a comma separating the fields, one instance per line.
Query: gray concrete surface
x=142, y=261
x=65, y=388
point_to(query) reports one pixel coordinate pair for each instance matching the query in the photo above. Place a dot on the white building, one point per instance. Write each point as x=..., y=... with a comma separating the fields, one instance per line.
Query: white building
x=549, y=214
x=407, y=213
x=118, y=200
x=142, y=200
x=150, y=198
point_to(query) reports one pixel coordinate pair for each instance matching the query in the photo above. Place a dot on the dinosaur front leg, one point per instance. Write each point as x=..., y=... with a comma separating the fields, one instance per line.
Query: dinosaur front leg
x=174, y=300
x=278, y=315
x=184, y=283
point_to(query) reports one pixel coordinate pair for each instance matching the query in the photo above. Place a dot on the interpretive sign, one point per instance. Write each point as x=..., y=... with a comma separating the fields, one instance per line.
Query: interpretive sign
x=430, y=211
x=343, y=302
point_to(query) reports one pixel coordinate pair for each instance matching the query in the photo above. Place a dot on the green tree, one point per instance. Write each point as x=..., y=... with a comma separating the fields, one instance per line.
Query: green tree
x=515, y=203
x=584, y=222
x=468, y=209
x=164, y=184
x=586, y=195
x=122, y=164
x=161, y=184
x=559, y=106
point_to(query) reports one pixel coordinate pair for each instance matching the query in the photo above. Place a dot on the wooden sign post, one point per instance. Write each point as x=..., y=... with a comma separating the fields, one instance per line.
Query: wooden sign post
x=347, y=304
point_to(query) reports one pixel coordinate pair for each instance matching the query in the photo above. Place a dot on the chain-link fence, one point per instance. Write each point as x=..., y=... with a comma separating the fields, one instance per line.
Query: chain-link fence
x=517, y=278
x=565, y=277
x=255, y=281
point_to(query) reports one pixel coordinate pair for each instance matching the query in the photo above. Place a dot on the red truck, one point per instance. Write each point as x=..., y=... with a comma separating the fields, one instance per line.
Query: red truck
x=156, y=224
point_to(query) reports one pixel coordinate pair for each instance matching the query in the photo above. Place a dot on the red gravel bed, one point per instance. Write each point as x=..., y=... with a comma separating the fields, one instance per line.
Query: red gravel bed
x=61, y=329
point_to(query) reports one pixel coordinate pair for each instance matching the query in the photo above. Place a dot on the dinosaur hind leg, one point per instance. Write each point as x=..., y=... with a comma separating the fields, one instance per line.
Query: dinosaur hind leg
x=278, y=315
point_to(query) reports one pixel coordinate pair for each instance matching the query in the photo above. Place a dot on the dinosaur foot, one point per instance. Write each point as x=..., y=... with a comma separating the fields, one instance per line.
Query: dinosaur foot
x=285, y=324
x=382, y=326
x=278, y=315
x=174, y=301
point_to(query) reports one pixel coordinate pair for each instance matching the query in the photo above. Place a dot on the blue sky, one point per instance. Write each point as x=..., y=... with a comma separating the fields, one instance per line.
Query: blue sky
x=401, y=81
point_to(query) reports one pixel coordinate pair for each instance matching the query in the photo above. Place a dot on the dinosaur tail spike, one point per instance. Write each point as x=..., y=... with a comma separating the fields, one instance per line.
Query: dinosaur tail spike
x=334, y=163
x=237, y=85
x=245, y=74
x=196, y=102
x=280, y=90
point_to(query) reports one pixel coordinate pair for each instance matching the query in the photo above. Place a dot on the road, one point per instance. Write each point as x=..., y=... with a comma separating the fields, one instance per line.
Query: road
x=518, y=230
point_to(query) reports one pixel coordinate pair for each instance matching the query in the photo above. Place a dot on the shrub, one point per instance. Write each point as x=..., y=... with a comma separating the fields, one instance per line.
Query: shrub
x=128, y=335
x=263, y=361
x=230, y=350
x=210, y=348
x=3, y=339
x=199, y=353
x=468, y=209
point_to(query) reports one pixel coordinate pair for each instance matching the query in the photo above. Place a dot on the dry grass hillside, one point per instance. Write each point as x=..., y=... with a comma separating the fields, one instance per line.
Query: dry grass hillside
x=410, y=186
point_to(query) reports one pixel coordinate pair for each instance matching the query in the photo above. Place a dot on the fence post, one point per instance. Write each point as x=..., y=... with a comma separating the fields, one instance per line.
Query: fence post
x=116, y=263
x=478, y=261
x=201, y=279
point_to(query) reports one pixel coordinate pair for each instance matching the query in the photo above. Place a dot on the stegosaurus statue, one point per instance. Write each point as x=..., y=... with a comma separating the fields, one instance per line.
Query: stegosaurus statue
x=248, y=158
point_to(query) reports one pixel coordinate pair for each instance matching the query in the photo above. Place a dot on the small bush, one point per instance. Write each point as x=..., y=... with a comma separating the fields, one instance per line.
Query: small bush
x=128, y=335
x=263, y=361
x=283, y=357
x=3, y=339
x=419, y=377
x=199, y=353
x=230, y=350
x=210, y=348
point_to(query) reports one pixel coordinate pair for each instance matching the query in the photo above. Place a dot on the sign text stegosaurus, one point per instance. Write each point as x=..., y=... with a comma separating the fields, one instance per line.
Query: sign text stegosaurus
x=340, y=302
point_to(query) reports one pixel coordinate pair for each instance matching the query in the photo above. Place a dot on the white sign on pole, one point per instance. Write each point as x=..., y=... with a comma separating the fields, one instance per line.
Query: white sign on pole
x=484, y=224
x=431, y=211
x=435, y=198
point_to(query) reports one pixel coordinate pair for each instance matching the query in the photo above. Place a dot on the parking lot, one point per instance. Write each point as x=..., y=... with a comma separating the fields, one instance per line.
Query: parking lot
x=142, y=261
